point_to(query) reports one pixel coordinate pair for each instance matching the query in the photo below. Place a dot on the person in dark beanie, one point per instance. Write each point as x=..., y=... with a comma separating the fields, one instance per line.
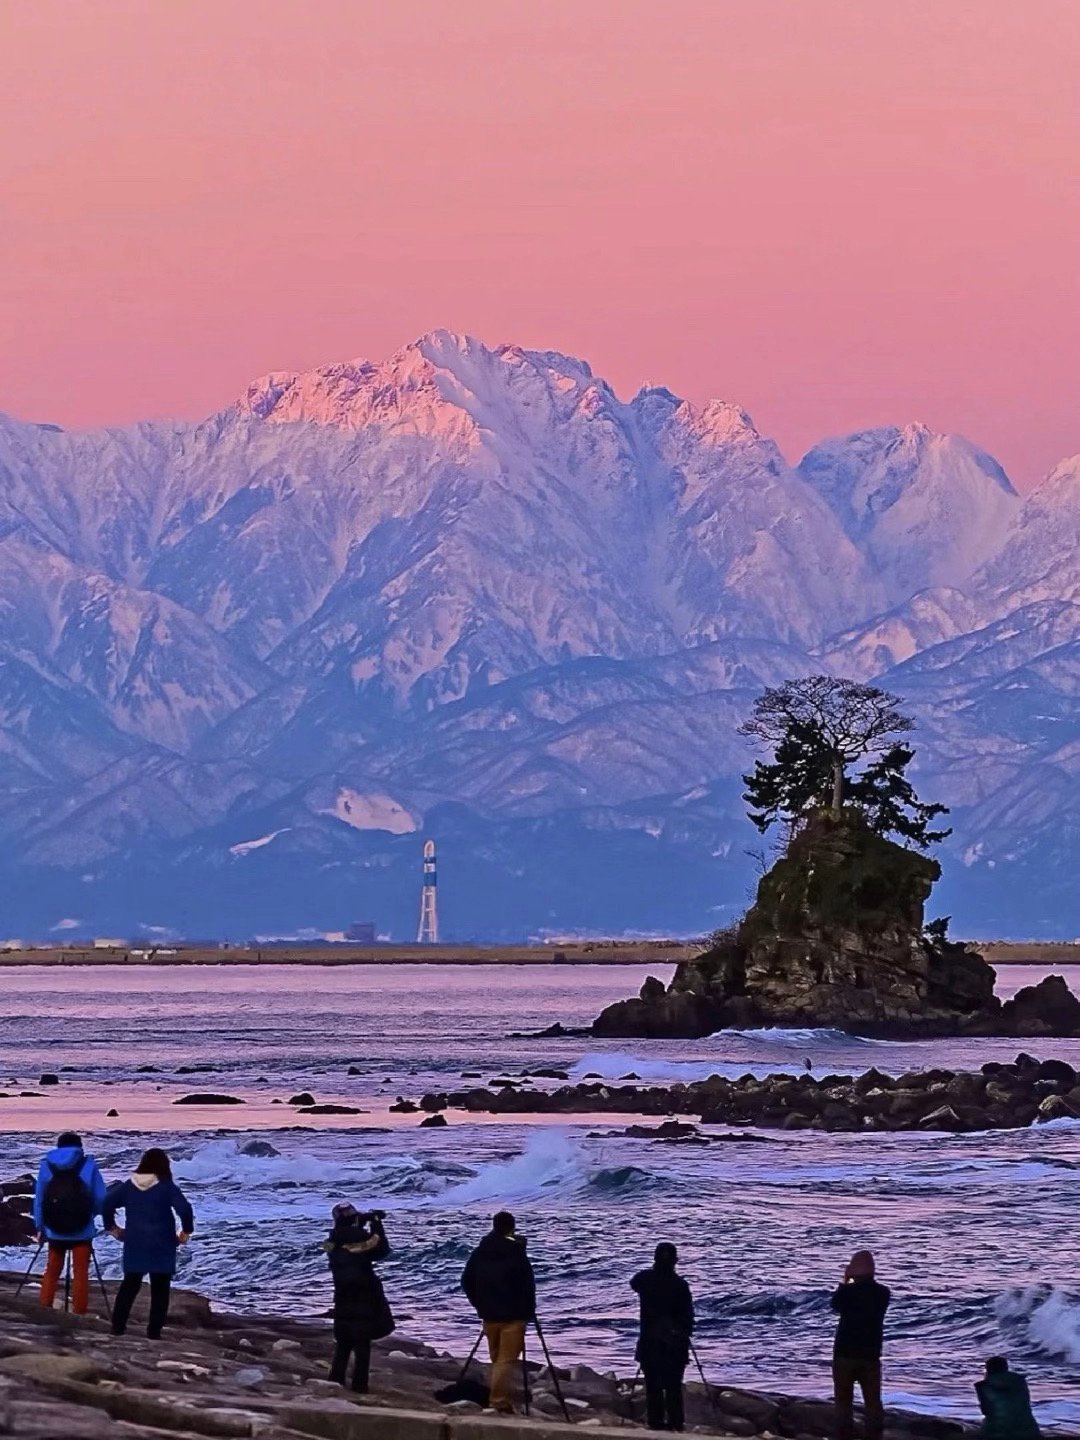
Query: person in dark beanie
x=861, y=1304
x=1005, y=1402
x=68, y=1197
x=361, y=1311
x=152, y=1202
x=499, y=1283
x=663, y=1347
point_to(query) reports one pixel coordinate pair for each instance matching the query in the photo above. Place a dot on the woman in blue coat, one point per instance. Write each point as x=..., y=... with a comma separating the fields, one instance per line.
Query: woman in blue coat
x=151, y=1203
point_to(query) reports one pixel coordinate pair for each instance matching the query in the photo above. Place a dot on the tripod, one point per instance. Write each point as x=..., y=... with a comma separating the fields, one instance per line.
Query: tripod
x=67, y=1274
x=697, y=1361
x=524, y=1368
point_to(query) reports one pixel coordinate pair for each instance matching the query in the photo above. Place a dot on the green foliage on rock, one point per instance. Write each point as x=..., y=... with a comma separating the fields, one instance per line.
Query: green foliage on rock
x=821, y=727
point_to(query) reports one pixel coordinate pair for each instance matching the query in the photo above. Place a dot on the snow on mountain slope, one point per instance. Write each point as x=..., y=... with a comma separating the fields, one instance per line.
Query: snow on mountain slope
x=926, y=509
x=471, y=592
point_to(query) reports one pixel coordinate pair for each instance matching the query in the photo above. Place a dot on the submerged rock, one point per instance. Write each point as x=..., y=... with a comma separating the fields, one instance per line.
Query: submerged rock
x=209, y=1098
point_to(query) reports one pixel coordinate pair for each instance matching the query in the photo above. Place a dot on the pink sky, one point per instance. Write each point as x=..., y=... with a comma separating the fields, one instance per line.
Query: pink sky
x=838, y=213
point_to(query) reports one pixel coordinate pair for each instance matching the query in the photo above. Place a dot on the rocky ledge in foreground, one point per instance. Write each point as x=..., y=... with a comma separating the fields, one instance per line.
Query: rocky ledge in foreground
x=996, y=1097
x=836, y=938
x=230, y=1375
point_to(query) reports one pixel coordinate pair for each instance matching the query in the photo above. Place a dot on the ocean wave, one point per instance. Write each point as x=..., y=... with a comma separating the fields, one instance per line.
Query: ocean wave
x=777, y=1035
x=1046, y=1318
x=613, y=1065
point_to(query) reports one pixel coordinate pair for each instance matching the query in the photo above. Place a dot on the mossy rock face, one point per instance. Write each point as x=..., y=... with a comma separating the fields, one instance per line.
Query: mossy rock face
x=840, y=874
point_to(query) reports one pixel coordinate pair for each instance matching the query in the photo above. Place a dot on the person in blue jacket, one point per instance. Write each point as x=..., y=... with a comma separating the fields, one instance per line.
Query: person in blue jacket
x=68, y=1197
x=151, y=1203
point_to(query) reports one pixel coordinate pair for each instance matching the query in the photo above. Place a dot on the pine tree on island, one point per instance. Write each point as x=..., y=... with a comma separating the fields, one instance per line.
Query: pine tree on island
x=822, y=729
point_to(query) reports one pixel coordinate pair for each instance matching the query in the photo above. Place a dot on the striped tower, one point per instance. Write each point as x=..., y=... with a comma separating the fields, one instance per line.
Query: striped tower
x=428, y=933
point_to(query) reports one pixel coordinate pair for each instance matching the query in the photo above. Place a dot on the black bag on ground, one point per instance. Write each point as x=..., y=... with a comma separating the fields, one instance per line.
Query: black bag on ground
x=472, y=1390
x=67, y=1207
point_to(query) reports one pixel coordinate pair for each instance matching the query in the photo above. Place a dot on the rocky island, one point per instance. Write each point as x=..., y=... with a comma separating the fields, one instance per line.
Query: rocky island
x=837, y=938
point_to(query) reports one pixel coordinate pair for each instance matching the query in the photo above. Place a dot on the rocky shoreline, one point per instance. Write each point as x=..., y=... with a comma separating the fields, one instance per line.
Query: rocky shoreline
x=264, y=1376
x=998, y=1096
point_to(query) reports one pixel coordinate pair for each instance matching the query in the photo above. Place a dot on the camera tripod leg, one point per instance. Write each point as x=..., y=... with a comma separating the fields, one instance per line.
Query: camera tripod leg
x=67, y=1280
x=630, y=1393
x=29, y=1269
x=472, y=1355
x=551, y=1368
x=525, y=1372
x=101, y=1282
x=701, y=1372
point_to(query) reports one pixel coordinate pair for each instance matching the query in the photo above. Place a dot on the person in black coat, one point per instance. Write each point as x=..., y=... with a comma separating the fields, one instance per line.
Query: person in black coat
x=499, y=1282
x=361, y=1310
x=663, y=1348
x=861, y=1304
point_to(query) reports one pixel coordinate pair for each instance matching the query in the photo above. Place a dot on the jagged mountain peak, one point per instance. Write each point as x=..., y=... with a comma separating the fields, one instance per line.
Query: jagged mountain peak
x=418, y=385
x=928, y=509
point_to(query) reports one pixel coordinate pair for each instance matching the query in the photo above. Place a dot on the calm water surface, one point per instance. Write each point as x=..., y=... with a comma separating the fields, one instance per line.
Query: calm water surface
x=974, y=1233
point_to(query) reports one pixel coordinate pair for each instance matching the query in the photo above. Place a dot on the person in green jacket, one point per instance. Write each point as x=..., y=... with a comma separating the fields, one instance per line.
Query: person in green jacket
x=1005, y=1403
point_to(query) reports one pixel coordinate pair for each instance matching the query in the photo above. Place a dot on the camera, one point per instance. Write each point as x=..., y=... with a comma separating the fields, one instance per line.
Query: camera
x=367, y=1216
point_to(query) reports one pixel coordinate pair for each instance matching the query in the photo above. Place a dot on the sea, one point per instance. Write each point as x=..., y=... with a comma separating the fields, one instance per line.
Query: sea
x=975, y=1234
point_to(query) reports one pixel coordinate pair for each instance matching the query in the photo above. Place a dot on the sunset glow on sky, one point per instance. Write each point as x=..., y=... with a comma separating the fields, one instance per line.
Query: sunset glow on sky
x=837, y=213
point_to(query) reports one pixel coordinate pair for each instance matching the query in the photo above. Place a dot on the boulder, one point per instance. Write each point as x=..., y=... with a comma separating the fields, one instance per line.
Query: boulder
x=259, y=1149
x=304, y=1098
x=434, y=1122
x=1048, y=1008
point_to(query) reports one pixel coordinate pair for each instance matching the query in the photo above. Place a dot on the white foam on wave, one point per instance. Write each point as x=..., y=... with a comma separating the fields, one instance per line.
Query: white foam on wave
x=1051, y=1319
x=550, y=1161
x=775, y=1035
x=223, y=1162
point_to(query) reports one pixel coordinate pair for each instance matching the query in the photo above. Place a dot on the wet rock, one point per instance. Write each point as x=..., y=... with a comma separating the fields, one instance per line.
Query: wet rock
x=49, y=1080
x=304, y=1098
x=208, y=1098
x=112, y=1114
x=260, y=1150
x=1056, y=1107
x=434, y=1122
x=405, y=1107
x=330, y=1109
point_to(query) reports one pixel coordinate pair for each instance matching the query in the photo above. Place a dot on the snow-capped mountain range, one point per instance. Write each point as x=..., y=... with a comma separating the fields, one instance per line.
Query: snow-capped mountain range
x=247, y=665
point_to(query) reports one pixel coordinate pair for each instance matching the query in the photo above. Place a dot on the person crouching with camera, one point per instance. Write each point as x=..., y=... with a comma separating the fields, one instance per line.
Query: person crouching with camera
x=361, y=1311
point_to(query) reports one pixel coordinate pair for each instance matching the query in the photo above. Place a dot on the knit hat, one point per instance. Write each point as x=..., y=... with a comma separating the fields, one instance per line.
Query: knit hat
x=345, y=1214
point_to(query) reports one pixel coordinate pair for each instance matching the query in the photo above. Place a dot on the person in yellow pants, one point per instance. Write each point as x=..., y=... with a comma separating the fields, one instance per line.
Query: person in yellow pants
x=501, y=1287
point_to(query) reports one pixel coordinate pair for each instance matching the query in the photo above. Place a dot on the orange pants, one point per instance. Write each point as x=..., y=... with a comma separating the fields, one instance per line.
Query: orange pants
x=80, y=1275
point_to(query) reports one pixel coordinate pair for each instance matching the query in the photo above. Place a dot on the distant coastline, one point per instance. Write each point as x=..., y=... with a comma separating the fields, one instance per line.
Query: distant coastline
x=580, y=952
